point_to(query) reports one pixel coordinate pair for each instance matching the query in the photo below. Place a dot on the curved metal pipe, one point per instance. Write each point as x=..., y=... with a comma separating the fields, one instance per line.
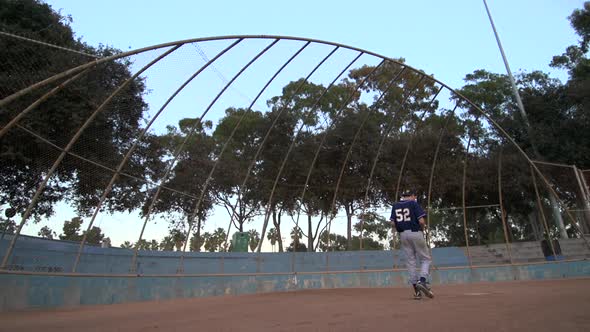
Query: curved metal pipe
x=434, y=159
x=463, y=194
x=204, y=189
x=275, y=121
x=502, y=215
x=83, y=67
x=268, y=205
x=209, y=177
x=123, y=162
x=73, y=140
x=137, y=51
x=355, y=138
x=38, y=102
x=92, y=162
x=324, y=136
x=381, y=143
x=542, y=212
x=181, y=147
x=572, y=219
x=415, y=131
x=112, y=181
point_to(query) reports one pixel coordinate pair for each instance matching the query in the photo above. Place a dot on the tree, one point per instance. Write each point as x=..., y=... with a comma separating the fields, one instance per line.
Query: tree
x=296, y=245
x=143, y=245
x=24, y=161
x=167, y=243
x=332, y=242
x=197, y=242
x=46, y=233
x=71, y=230
x=189, y=174
x=178, y=238
x=235, y=196
x=127, y=245
x=272, y=236
x=215, y=242
x=254, y=239
x=372, y=224
x=7, y=226
x=95, y=235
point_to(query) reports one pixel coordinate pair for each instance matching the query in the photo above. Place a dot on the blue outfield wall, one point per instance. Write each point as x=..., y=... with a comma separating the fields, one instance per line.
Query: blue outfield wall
x=42, y=255
x=38, y=273
x=22, y=290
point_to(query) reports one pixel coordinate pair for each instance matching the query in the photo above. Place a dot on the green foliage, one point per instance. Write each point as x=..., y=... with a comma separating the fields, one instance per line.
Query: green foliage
x=144, y=245
x=24, y=161
x=334, y=180
x=71, y=232
x=167, y=243
x=254, y=239
x=196, y=242
x=7, y=226
x=127, y=245
x=47, y=233
x=215, y=241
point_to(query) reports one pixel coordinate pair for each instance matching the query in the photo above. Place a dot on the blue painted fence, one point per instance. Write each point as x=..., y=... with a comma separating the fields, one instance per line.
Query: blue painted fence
x=38, y=275
x=42, y=255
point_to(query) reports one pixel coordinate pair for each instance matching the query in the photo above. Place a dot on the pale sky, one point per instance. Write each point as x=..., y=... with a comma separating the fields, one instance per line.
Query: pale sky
x=446, y=38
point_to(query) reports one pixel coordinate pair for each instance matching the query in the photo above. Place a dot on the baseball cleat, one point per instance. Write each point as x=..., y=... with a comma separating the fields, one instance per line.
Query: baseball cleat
x=424, y=289
x=417, y=295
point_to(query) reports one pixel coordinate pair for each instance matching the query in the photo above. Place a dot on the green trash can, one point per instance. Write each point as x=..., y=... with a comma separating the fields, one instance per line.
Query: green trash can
x=240, y=242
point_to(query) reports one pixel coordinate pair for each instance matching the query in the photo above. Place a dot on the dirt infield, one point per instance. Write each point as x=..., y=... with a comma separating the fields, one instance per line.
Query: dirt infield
x=557, y=305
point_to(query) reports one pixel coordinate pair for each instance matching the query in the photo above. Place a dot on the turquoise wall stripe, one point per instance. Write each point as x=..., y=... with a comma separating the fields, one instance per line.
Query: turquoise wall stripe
x=27, y=291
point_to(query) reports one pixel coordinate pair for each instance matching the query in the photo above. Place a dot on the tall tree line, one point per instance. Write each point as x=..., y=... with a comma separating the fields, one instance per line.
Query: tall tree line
x=339, y=155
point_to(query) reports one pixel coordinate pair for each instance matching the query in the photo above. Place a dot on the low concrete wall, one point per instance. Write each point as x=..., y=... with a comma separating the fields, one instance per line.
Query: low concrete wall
x=42, y=255
x=22, y=290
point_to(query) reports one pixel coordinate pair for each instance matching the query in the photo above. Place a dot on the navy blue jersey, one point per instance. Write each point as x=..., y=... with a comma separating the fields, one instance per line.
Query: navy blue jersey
x=405, y=215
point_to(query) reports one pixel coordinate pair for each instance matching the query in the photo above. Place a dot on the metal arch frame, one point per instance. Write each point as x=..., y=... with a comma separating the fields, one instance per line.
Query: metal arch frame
x=381, y=143
x=389, y=85
x=284, y=162
x=272, y=127
x=388, y=130
x=317, y=153
x=463, y=198
x=502, y=214
x=204, y=189
x=175, y=45
x=134, y=146
x=180, y=148
x=70, y=144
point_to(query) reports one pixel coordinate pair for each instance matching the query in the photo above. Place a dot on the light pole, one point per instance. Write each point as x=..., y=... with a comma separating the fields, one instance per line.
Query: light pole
x=554, y=207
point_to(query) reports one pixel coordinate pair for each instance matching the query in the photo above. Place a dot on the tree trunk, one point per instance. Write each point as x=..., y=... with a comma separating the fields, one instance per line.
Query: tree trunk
x=348, y=227
x=309, y=233
x=277, y=223
x=198, y=234
x=583, y=201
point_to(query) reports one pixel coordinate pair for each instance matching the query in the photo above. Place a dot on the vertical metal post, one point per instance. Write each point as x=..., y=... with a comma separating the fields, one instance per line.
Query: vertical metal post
x=502, y=215
x=584, y=198
x=65, y=151
x=556, y=213
x=540, y=206
x=434, y=159
x=463, y=194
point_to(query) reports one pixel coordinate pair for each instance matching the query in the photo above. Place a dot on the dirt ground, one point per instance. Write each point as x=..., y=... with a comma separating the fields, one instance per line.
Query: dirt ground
x=557, y=305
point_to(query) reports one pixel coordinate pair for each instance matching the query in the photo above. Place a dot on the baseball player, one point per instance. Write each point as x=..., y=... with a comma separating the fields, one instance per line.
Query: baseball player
x=408, y=218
